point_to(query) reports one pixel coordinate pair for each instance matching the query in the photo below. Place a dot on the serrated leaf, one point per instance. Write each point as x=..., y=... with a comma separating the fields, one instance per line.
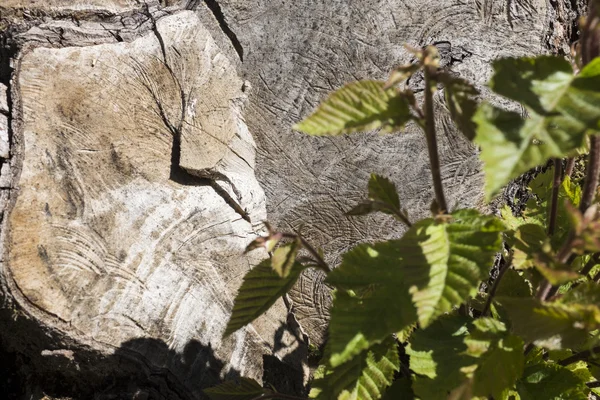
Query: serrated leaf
x=359, y=322
x=537, y=83
x=501, y=359
x=511, y=145
x=284, y=257
x=383, y=190
x=437, y=353
x=562, y=109
x=555, y=272
x=358, y=106
x=365, y=377
x=528, y=240
x=513, y=285
x=551, y=325
x=401, y=73
x=445, y=262
x=545, y=381
x=261, y=288
x=459, y=100
x=367, y=265
x=246, y=389
x=382, y=197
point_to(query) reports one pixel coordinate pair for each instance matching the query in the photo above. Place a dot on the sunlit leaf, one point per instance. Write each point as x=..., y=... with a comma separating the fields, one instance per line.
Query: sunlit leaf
x=261, y=288
x=551, y=325
x=445, y=262
x=545, y=381
x=245, y=389
x=365, y=377
x=437, y=355
x=284, y=258
x=359, y=322
x=562, y=108
x=358, y=106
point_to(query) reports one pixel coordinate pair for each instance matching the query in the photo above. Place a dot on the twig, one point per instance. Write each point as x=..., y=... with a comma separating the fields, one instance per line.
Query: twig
x=432, y=142
x=593, y=385
x=582, y=355
x=570, y=166
x=322, y=263
x=591, y=179
x=503, y=268
x=556, y=182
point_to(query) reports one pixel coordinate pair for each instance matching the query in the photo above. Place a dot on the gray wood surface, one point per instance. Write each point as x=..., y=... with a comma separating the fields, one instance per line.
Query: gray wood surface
x=142, y=144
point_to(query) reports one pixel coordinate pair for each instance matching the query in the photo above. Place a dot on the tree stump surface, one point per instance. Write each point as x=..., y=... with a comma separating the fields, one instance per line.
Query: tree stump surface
x=143, y=144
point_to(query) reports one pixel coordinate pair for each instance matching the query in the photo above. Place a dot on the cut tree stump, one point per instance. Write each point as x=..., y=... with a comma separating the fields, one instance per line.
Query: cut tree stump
x=143, y=144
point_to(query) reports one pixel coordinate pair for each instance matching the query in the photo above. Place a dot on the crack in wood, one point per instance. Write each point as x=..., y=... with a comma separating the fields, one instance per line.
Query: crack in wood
x=215, y=8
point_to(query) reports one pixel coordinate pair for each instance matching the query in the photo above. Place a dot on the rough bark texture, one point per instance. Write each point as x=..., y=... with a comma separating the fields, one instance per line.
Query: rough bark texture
x=142, y=144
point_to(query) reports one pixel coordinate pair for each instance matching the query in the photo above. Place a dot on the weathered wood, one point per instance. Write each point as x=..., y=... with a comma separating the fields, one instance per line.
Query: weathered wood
x=131, y=168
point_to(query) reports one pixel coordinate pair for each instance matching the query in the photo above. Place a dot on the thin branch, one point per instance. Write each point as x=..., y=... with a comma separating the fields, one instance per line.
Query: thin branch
x=503, y=268
x=592, y=385
x=582, y=355
x=590, y=264
x=432, y=142
x=592, y=172
x=401, y=216
x=556, y=182
x=320, y=261
x=570, y=166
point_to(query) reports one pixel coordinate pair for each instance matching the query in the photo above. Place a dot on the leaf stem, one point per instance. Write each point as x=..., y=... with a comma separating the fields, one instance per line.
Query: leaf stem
x=582, y=355
x=320, y=261
x=570, y=166
x=592, y=172
x=401, y=216
x=432, y=142
x=556, y=182
x=503, y=268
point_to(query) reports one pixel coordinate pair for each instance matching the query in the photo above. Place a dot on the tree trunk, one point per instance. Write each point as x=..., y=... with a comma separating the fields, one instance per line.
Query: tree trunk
x=143, y=144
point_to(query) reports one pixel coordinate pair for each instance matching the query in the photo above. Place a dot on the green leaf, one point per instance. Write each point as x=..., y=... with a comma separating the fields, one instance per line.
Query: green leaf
x=545, y=381
x=551, y=325
x=367, y=265
x=261, y=288
x=284, y=258
x=358, y=106
x=383, y=190
x=538, y=208
x=501, y=359
x=528, y=240
x=437, y=353
x=445, y=262
x=538, y=83
x=365, y=377
x=511, y=145
x=382, y=197
x=246, y=389
x=562, y=109
x=513, y=285
x=459, y=99
x=359, y=322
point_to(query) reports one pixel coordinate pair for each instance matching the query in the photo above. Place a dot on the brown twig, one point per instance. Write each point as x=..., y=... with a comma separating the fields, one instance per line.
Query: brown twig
x=582, y=355
x=318, y=259
x=556, y=182
x=432, y=141
x=502, y=270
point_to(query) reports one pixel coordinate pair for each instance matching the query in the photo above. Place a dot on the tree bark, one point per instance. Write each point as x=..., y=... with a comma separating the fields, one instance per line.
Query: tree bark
x=142, y=144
